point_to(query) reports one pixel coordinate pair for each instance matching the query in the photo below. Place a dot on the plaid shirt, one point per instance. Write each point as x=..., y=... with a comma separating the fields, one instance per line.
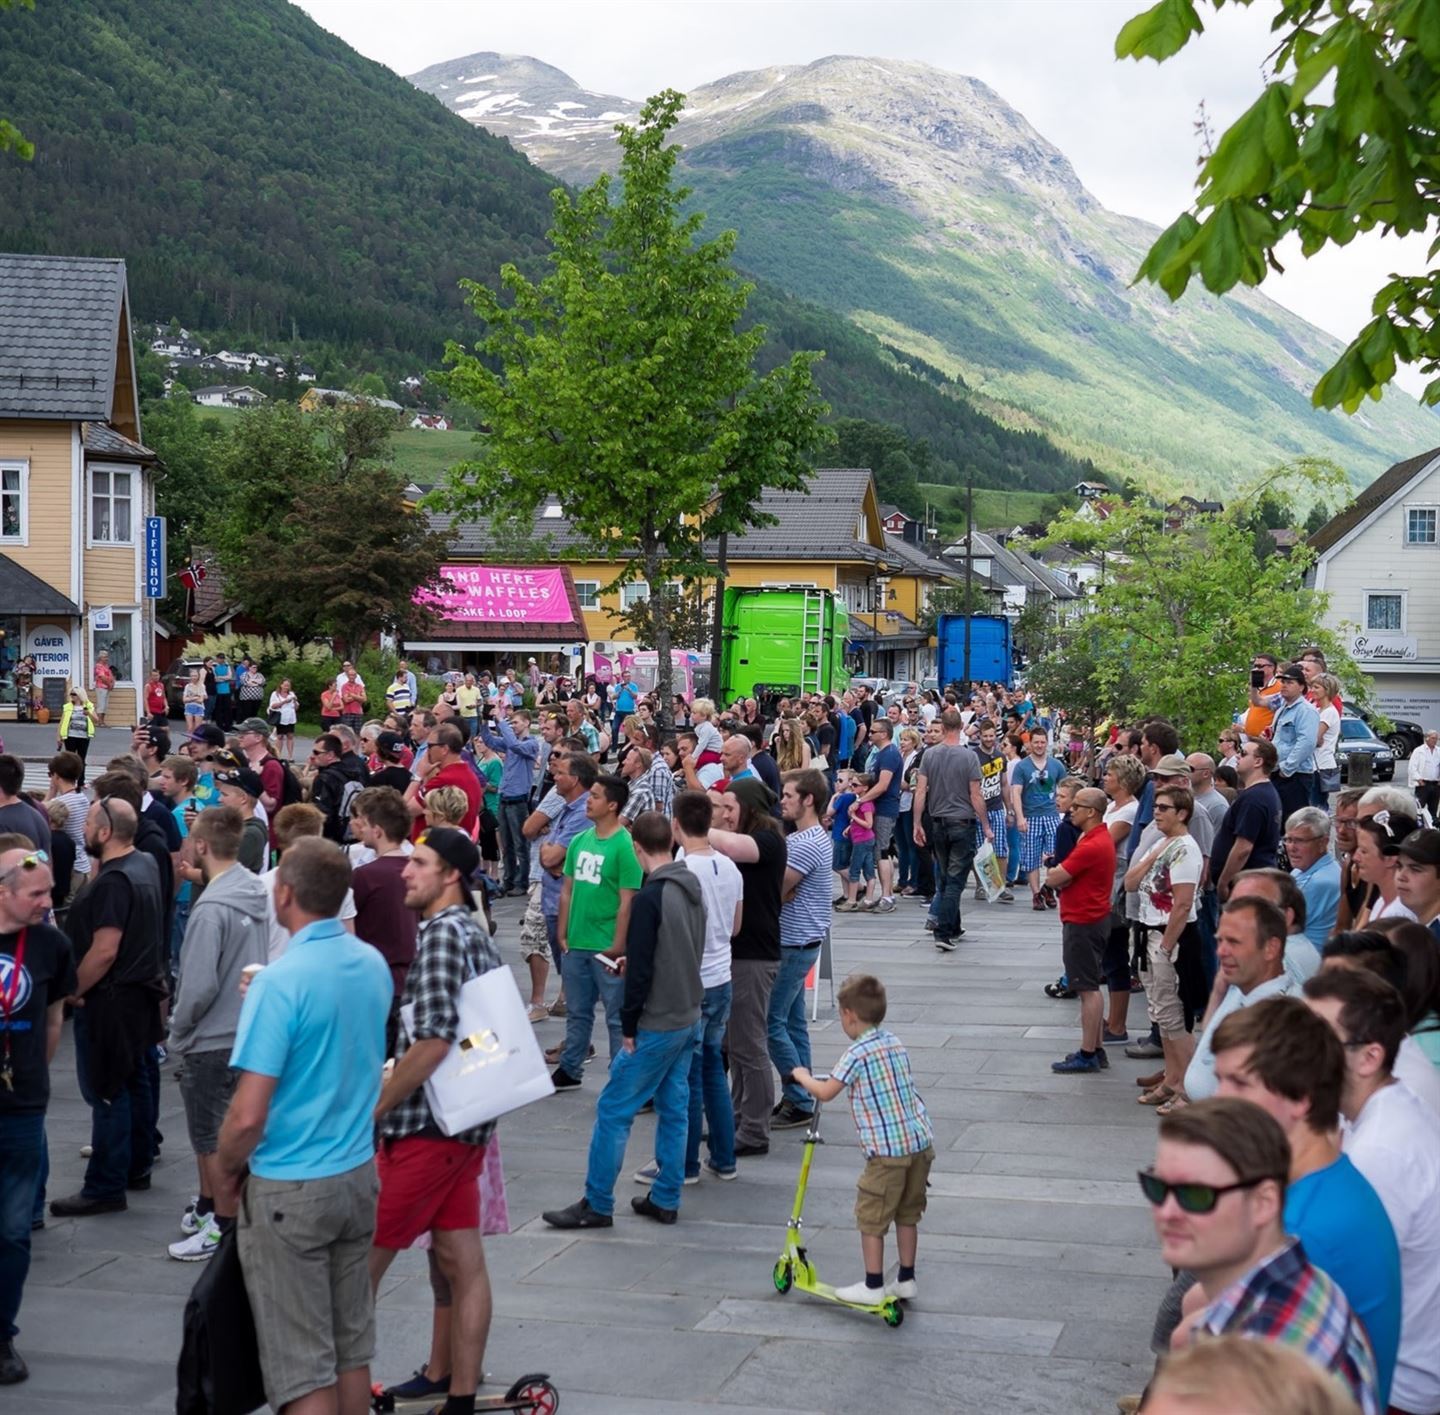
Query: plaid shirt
x=450, y=950
x=1285, y=1300
x=641, y=798
x=888, y=1111
x=661, y=782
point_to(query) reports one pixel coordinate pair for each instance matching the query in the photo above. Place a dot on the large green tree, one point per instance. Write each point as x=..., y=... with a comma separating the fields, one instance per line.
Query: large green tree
x=11, y=138
x=1344, y=138
x=621, y=385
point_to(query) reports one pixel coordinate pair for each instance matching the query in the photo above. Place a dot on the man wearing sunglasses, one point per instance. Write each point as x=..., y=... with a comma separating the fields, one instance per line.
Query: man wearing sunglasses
x=1217, y=1188
x=36, y=975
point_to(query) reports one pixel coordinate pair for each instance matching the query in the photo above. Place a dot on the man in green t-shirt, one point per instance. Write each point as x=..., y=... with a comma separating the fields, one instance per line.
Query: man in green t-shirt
x=602, y=874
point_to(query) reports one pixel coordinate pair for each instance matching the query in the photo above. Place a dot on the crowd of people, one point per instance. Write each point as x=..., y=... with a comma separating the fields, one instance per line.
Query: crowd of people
x=258, y=925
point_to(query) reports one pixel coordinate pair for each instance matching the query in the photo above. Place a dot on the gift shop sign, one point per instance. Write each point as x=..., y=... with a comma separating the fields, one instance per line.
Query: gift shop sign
x=483, y=594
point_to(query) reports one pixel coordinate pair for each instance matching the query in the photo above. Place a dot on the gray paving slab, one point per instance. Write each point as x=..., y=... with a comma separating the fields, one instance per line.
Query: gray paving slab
x=1038, y=1265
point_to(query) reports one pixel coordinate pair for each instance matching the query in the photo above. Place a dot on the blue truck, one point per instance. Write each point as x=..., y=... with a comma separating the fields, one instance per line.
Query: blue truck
x=992, y=651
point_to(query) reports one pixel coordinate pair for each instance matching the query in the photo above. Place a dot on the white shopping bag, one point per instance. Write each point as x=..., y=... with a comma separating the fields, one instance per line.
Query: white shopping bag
x=495, y=1065
x=991, y=875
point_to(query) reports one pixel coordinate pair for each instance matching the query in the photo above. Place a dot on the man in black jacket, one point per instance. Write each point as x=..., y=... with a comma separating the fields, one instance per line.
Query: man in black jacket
x=660, y=1027
x=328, y=779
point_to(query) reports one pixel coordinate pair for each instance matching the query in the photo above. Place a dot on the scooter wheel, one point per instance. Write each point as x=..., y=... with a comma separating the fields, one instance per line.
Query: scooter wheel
x=894, y=1313
x=533, y=1394
x=783, y=1276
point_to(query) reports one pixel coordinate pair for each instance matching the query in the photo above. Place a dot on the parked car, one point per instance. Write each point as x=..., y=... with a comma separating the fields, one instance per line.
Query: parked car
x=1403, y=737
x=1357, y=739
x=175, y=678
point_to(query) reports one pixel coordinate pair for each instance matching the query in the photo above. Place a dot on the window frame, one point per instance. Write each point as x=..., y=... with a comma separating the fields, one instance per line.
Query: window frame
x=1430, y=509
x=641, y=589
x=132, y=613
x=22, y=466
x=594, y=586
x=1368, y=596
x=135, y=498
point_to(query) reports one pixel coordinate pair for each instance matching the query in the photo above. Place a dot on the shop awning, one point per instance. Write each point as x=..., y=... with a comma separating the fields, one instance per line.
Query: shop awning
x=24, y=593
x=507, y=606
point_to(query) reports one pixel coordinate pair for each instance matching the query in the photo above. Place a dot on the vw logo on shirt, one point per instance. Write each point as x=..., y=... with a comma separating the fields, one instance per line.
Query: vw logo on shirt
x=15, y=1004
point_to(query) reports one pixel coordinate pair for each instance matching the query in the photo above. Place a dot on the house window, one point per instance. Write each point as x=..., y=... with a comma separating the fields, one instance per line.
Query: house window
x=117, y=640
x=588, y=593
x=1420, y=525
x=110, y=522
x=632, y=593
x=1385, y=613
x=13, y=476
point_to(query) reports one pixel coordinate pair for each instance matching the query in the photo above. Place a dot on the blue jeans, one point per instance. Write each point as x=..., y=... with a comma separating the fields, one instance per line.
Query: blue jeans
x=180, y=920
x=1207, y=919
x=658, y=1069
x=22, y=1140
x=512, y=838
x=122, y=1130
x=862, y=860
x=954, y=843
x=709, y=1089
x=588, y=981
x=787, y=1027
x=42, y=1180
x=908, y=875
x=1012, y=846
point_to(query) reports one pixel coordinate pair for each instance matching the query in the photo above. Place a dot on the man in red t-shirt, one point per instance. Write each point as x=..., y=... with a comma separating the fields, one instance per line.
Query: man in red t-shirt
x=1085, y=882
x=444, y=766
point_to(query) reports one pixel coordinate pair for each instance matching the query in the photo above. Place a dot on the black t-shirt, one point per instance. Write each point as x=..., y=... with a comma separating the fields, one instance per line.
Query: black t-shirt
x=825, y=736
x=110, y=903
x=1254, y=815
x=759, y=935
x=393, y=775
x=161, y=815
x=47, y=975
x=23, y=818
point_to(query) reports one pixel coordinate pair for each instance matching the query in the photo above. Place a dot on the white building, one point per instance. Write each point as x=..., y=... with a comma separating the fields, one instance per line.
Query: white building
x=1379, y=561
x=228, y=395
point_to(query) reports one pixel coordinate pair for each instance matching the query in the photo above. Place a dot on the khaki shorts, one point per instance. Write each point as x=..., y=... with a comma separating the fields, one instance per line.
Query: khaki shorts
x=892, y=1189
x=304, y=1248
x=533, y=937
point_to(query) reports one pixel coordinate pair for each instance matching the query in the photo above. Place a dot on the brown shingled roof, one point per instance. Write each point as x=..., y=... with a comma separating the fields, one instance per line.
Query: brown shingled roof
x=1375, y=495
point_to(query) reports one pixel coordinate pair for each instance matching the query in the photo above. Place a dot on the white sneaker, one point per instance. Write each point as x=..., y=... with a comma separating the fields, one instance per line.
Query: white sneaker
x=861, y=1295
x=903, y=1290
x=190, y=1221
x=200, y=1245
x=647, y=1173
x=86, y=1152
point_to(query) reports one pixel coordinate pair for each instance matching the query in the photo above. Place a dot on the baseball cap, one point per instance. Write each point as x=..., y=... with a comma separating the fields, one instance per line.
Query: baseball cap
x=254, y=724
x=248, y=781
x=1291, y=673
x=1422, y=847
x=1173, y=765
x=389, y=743
x=458, y=851
x=209, y=734
x=156, y=737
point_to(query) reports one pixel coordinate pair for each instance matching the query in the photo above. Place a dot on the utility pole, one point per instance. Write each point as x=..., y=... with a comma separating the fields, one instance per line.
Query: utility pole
x=717, y=627
x=969, y=563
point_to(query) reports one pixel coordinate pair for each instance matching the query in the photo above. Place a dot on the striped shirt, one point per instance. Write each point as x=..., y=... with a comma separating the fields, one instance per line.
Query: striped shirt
x=887, y=1109
x=805, y=915
x=1285, y=1300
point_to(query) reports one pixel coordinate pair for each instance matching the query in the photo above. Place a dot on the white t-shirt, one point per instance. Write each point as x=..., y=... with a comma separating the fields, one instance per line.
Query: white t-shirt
x=1395, y=909
x=284, y=704
x=1395, y=1143
x=1325, y=752
x=720, y=883
x=1126, y=816
x=280, y=936
x=1179, y=861
x=359, y=854
x=1418, y=1072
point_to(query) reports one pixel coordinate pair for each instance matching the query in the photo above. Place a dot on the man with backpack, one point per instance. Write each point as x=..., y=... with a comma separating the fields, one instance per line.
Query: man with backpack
x=279, y=786
x=328, y=785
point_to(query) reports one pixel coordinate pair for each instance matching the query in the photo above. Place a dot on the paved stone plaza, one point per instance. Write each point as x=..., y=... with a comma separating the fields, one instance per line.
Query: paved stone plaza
x=1038, y=1269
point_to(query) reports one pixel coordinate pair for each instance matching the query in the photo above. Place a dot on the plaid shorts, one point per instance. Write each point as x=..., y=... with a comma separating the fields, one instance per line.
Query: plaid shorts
x=999, y=827
x=1038, y=840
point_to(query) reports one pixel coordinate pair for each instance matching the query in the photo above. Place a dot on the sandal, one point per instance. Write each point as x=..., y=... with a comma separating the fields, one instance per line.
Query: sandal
x=1176, y=1102
x=1156, y=1096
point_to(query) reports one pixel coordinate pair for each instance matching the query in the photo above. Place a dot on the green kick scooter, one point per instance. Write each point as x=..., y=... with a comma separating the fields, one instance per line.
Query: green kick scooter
x=793, y=1269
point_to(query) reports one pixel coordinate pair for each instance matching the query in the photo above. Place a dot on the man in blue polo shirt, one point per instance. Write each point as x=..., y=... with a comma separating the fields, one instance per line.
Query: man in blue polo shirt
x=309, y=1050
x=521, y=752
x=885, y=767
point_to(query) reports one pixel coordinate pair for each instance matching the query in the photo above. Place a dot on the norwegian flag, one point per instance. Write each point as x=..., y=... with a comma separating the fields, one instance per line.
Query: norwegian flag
x=193, y=575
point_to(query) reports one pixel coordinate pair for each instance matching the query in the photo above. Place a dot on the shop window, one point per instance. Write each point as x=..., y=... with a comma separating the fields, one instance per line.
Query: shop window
x=13, y=478
x=117, y=641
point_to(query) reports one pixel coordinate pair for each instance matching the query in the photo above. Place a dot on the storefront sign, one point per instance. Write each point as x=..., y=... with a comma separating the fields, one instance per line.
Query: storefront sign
x=155, y=557
x=483, y=594
x=1423, y=708
x=49, y=646
x=1384, y=648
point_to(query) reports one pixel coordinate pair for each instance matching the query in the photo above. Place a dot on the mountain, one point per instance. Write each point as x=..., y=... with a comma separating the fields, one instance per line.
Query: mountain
x=923, y=207
x=259, y=176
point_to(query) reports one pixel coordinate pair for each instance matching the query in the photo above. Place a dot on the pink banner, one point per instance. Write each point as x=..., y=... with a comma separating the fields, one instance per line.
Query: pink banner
x=490, y=594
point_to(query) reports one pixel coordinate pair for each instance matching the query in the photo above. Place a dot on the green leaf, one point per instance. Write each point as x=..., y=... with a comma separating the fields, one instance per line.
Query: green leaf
x=1161, y=31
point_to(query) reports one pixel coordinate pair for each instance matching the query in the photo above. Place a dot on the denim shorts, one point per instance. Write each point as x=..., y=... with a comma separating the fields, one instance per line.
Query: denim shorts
x=862, y=860
x=840, y=852
x=207, y=1081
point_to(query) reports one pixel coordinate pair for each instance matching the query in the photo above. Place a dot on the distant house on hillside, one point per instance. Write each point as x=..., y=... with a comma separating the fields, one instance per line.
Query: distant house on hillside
x=229, y=395
x=430, y=422
x=316, y=398
x=1090, y=490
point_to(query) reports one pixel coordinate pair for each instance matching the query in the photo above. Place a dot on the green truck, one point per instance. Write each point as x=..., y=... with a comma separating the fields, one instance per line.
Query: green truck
x=780, y=642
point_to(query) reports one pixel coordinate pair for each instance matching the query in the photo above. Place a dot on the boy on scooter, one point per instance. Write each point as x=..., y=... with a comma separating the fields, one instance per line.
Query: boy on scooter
x=894, y=1132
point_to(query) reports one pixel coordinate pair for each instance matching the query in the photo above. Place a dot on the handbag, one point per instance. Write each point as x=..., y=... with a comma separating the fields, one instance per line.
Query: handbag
x=989, y=872
x=218, y=1372
x=494, y=1065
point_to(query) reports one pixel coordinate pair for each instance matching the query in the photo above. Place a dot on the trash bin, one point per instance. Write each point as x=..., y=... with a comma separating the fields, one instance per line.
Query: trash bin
x=1360, y=769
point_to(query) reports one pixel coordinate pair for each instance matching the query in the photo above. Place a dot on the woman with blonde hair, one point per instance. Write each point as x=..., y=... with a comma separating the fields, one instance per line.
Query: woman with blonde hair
x=76, y=726
x=1238, y=1375
x=792, y=751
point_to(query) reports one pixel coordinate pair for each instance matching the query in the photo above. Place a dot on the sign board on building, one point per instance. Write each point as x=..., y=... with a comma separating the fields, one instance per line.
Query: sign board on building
x=155, y=557
x=1423, y=708
x=484, y=594
x=102, y=620
x=49, y=646
x=1384, y=648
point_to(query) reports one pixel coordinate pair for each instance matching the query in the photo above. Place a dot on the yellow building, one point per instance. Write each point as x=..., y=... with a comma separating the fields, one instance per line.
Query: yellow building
x=76, y=483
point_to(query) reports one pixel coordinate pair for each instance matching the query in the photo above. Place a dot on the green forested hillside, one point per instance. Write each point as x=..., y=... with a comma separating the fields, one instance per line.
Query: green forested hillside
x=259, y=176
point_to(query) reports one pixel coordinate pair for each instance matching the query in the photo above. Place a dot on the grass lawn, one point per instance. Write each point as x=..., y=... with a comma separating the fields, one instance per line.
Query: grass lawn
x=994, y=508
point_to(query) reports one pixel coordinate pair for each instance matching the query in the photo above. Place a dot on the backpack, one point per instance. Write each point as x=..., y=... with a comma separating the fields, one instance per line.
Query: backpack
x=347, y=800
x=290, y=789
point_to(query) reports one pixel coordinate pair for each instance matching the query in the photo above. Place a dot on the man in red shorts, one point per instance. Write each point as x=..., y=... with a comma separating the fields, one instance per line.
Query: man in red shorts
x=429, y=1181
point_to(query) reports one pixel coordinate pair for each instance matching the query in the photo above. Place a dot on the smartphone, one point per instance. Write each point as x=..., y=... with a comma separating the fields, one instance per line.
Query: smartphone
x=611, y=963
x=1257, y=677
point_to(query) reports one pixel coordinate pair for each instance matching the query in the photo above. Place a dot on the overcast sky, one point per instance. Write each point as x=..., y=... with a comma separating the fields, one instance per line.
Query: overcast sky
x=1127, y=128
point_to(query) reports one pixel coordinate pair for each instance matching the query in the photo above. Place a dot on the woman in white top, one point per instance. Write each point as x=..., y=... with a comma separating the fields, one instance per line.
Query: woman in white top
x=282, y=711
x=1327, y=766
x=1377, y=843
x=1123, y=782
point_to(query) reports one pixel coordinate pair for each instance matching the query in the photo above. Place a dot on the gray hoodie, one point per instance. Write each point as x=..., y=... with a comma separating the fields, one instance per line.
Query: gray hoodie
x=227, y=931
x=663, y=948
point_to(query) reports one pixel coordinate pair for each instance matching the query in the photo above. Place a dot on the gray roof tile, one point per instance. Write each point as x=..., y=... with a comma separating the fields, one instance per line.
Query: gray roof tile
x=104, y=441
x=24, y=593
x=59, y=320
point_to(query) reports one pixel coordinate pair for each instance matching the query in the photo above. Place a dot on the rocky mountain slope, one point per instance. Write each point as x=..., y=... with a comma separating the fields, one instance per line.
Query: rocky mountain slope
x=921, y=205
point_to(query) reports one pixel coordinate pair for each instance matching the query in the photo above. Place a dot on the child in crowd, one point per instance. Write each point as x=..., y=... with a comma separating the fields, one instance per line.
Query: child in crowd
x=707, y=735
x=838, y=819
x=895, y=1136
x=193, y=699
x=861, y=834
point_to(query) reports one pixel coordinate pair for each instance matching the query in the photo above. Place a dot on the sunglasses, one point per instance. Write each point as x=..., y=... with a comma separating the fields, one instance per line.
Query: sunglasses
x=1192, y=1198
x=28, y=862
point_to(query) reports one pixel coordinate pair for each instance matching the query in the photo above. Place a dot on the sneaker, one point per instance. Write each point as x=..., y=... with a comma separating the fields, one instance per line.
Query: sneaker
x=647, y=1173
x=860, y=1294
x=746, y=1152
x=557, y=1009
x=1115, y=1038
x=645, y=1206
x=885, y=906
x=1104, y=1060
x=945, y=945
x=79, y=1206
x=1144, y=1051
x=1060, y=989
x=929, y=926
x=13, y=1369
x=86, y=1151
x=1048, y=895
x=1076, y=1062
x=848, y=907
x=200, y=1245
x=715, y=1172
x=553, y=1054
x=190, y=1221
x=789, y=1116
x=979, y=895
x=419, y=1387
x=1006, y=896
x=905, y=1291
x=563, y=1080
x=578, y=1215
